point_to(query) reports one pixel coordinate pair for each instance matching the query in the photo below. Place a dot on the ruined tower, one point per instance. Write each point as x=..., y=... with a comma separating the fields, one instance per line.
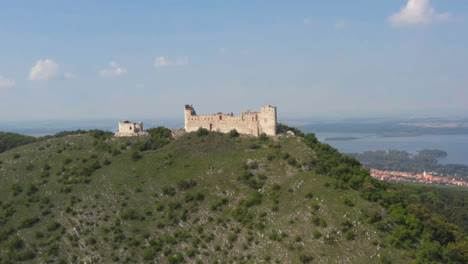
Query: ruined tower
x=130, y=129
x=268, y=120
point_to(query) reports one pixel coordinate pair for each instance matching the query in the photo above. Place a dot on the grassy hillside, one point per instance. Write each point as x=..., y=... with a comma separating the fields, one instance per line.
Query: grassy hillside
x=13, y=140
x=204, y=199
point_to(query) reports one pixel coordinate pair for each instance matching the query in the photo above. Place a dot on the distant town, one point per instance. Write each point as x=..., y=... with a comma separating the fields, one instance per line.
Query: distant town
x=420, y=178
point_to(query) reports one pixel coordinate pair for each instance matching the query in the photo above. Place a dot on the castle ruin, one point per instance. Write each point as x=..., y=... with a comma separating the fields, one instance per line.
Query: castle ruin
x=130, y=129
x=249, y=123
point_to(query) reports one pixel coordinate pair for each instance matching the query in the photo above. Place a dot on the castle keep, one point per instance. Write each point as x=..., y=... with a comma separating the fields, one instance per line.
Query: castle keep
x=130, y=129
x=250, y=123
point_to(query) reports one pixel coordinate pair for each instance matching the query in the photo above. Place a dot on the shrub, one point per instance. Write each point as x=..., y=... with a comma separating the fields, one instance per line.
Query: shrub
x=316, y=234
x=31, y=189
x=15, y=243
x=90, y=241
x=254, y=199
x=52, y=250
x=253, y=165
x=168, y=190
x=130, y=214
x=186, y=184
x=202, y=132
x=350, y=235
x=136, y=155
x=232, y=237
x=29, y=222
x=233, y=133
x=263, y=137
x=292, y=161
x=346, y=225
x=316, y=220
x=30, y=167
x=219, y=203
x=23, y=255
x=175, y=259
x=15, y=189
x=304, y=258
x=348, y=202
x=254, y=146
x=148, y=253
x=52, y=226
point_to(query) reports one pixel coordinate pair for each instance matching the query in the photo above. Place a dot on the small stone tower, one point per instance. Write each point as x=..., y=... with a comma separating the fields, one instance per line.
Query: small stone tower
x=130, y=129
x=188, y=112
x=268, y=120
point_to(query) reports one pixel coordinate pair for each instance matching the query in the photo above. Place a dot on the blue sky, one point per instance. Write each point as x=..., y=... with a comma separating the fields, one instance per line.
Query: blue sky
x=143, y=59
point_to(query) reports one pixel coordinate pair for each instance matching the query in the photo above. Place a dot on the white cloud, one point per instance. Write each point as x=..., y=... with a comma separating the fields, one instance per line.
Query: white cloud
x=114, y=70
x=182, y=61
x=68, y=75
x=162, y=61
x=6, y=83
x=307, y=21
x=43, y=70
x=417, y=12
x=341, y=24
x=223, y=50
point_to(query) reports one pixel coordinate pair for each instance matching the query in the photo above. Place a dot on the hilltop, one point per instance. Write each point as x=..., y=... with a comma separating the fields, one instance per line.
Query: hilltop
x=207, y=197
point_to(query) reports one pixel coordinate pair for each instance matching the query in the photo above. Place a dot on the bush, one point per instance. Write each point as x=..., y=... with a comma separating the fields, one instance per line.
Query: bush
x=350, y=235
x=304, y=258
x=175, y=259
x=253, y=199
x=29, y=222
x=136, y=155
x=15, y=243
x=186, y=184
x=159, y=137
x=316, y=234
x=254, y=146
x=15, y=189
x=202, y=132
x=131, y=214
x=348, y=202
x=263, y=137
x=52, y=226
x=25, y=255
x=219, y=203
x=168, y=190
x=253, y=165
x=90, y=241
x=31, y=189
x=148, y=253
x=233, y=133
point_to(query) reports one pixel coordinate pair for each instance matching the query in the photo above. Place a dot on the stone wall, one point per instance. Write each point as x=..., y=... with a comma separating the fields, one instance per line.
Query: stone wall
x=130, y=129
x=250, y=123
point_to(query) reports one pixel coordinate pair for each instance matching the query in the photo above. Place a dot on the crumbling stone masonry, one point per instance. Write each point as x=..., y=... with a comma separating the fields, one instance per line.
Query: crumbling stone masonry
x=249, y=123
x=130, y=129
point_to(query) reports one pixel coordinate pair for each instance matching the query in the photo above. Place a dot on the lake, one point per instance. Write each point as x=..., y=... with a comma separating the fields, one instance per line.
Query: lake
x=455, y=145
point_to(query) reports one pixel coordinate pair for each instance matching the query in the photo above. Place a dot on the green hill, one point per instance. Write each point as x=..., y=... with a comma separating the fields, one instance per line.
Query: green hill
x=210, y=198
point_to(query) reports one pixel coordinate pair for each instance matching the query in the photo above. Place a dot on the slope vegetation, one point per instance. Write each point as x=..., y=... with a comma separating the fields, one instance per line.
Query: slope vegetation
x=207, y=198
